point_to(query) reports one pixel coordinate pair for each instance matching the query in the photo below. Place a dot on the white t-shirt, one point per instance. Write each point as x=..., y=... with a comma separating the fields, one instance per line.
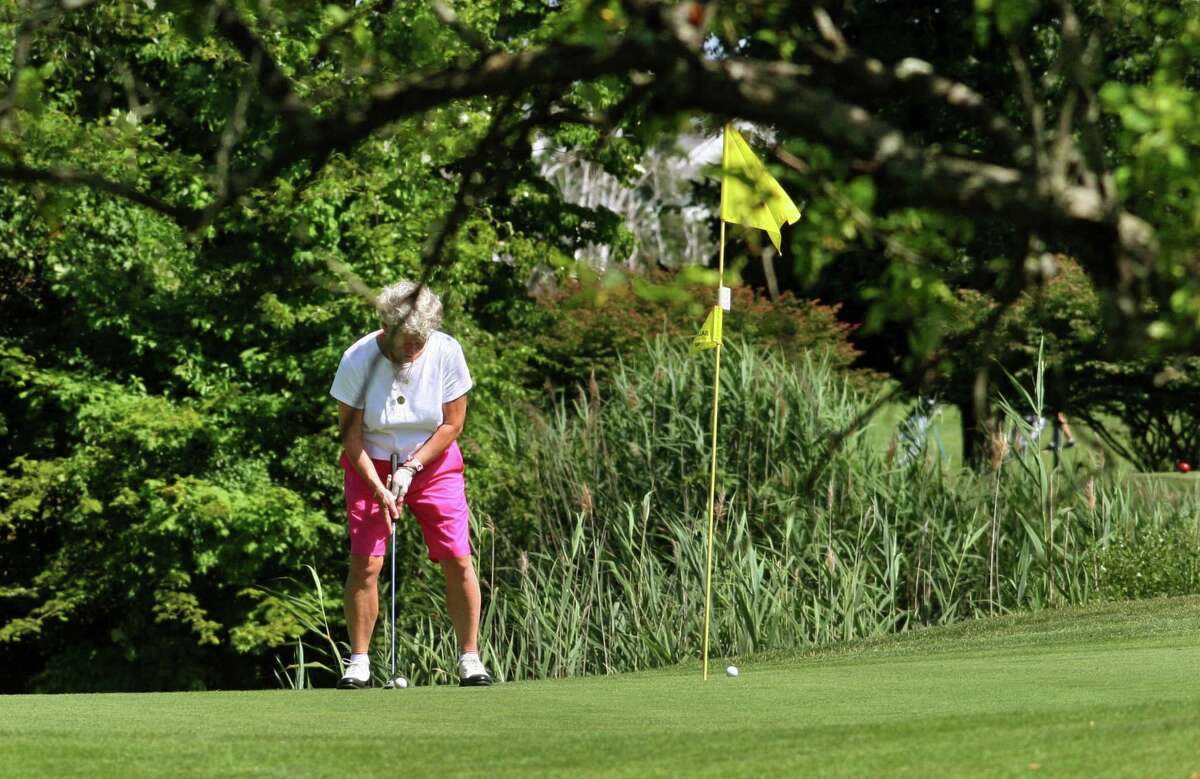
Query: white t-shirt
x=401, y=407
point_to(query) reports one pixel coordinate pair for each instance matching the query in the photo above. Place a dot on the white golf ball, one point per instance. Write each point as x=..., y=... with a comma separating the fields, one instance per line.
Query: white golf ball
x=401, y=682
x=731, y=671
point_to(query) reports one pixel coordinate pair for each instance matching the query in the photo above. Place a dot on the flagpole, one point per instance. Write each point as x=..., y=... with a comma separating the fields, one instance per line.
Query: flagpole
x=749, y=197
x=712, y=473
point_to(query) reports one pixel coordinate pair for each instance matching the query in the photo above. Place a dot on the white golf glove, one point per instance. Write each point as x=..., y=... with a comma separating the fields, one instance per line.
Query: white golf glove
x=401, y=481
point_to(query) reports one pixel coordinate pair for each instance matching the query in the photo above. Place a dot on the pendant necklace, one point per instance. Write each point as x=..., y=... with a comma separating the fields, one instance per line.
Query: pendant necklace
x=401, y=374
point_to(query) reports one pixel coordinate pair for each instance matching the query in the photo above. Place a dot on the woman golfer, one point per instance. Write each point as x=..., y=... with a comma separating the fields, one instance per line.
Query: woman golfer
x=403, y=389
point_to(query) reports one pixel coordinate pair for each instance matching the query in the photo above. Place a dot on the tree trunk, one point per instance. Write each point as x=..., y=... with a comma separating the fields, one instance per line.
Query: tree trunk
x=974, y=439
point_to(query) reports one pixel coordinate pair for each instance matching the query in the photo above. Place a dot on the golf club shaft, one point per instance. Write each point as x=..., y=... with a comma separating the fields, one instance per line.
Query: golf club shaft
x=393, y=641
x=395, y=463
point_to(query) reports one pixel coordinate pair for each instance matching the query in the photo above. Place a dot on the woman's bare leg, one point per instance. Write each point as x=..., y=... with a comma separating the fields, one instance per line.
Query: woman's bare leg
x=462, y=601
x=362, y=600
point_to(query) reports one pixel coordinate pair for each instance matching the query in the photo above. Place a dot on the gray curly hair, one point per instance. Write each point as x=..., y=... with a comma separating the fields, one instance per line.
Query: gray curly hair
x=416, y=313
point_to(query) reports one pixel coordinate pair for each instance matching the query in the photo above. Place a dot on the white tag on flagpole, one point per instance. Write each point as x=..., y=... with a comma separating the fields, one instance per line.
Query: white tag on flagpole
x=724, y=298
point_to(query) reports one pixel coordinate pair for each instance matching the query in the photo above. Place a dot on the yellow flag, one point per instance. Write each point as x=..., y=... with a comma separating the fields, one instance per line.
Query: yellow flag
x=750, y=196
x=710, y=331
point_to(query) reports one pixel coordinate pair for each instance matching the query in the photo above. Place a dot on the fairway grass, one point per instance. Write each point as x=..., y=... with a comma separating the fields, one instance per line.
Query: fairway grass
x=1102, y=691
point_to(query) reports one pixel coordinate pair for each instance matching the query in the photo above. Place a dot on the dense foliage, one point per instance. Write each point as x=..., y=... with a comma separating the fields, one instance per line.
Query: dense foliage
x=169, y=441
x=1146, y=409
x=197, y=199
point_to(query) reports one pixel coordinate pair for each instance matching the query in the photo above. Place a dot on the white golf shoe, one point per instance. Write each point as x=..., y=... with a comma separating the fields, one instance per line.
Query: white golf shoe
x=357, y=676
x=472, y=672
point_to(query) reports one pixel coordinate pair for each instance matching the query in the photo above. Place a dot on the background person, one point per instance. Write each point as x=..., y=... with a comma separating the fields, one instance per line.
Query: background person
x=1062, y=429
x=403, y=389
x=914, y=430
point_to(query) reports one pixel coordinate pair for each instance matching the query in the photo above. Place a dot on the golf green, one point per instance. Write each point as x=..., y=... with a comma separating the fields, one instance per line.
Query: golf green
x=1112, y=690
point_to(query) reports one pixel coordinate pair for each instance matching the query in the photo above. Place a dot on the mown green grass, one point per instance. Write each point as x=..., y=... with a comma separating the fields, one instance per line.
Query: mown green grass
x=1101, y=691
x=946, y=430
x=1183, y=481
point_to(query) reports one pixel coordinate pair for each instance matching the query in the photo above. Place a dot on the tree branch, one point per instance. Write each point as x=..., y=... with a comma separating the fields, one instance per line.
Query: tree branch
x=234, y=127
x=502, y=73
x=775, y=94
x=275, y=86
x=662, y=44
x=858, y=76
x=448, y=17
x=69, y=177
x=360, y=9
x=1077, y=60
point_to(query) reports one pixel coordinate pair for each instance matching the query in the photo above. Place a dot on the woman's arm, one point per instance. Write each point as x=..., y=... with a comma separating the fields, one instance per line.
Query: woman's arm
x=454, y=416
x=350, y=426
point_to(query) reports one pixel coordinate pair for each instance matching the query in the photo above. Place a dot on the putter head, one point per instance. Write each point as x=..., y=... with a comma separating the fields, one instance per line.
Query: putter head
x=396, y=683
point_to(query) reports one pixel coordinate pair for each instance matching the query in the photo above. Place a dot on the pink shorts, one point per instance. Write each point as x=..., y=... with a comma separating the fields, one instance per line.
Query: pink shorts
x=437, y=498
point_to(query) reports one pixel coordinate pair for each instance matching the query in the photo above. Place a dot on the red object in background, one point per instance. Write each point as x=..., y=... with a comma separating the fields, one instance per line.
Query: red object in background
x=1184, y=467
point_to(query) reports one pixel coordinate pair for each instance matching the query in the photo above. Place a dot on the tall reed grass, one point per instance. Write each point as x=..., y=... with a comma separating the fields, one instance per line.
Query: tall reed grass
x=592, y=555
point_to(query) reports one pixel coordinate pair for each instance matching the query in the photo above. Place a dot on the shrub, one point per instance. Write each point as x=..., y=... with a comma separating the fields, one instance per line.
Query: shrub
x=588, y=329
x=1154, y=562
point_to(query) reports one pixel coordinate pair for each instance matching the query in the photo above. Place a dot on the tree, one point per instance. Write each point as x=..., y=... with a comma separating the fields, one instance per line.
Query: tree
x=168, y=439
x=1034, y=126
x=1143, y=408
x=346, y=75
x=195, y=194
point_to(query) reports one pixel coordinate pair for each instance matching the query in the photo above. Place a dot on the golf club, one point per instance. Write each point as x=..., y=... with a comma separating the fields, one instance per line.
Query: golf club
x=394, y=682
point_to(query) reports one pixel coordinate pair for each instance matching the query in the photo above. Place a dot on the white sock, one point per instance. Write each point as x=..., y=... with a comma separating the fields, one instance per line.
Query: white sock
x=465, y=655
x=359, y=657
